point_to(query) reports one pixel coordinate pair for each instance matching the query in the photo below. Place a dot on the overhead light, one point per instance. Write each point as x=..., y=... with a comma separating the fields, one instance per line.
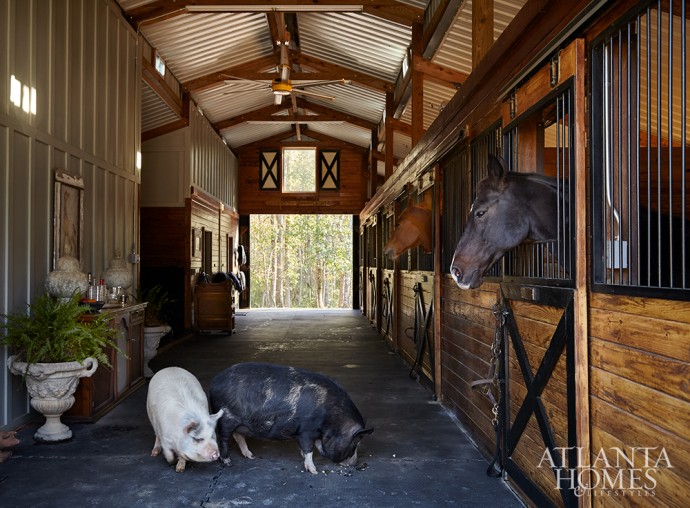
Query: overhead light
x=274, y=8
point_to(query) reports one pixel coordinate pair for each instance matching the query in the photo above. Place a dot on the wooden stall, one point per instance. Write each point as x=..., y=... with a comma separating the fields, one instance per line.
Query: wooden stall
x=203, y=240
x=580, y=345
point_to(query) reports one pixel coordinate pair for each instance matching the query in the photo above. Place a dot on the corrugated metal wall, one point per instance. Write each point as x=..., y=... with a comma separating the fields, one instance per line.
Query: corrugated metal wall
x=80, y=57
x=214, y=167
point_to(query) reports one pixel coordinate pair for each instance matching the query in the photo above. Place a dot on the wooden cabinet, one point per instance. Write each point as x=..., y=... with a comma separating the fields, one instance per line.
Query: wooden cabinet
x=214, y=306
x=98, y=394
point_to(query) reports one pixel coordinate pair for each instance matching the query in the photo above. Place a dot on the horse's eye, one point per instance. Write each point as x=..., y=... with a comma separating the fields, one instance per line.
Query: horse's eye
x=480, y=214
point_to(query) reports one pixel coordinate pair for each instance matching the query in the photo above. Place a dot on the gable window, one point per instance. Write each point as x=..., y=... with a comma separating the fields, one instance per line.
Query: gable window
x=299, y=170
x=160, y=65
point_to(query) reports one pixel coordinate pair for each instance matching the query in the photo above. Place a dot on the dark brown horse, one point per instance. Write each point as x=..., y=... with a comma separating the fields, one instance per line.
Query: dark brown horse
x=509, y=209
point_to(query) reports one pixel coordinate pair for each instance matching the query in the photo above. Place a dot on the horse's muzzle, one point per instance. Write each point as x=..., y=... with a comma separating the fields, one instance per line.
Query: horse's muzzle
x=471, y=282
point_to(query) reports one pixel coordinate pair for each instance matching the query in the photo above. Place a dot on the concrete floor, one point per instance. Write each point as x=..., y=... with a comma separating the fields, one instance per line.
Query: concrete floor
x=417, y=455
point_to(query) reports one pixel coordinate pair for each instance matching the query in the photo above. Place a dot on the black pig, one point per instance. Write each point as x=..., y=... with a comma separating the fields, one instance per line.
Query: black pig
x=267, y=401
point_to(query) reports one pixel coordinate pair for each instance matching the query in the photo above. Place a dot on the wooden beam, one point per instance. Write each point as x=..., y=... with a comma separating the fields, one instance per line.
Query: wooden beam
x=396, y=12
x=390, y=10
x=215, y=79
x=400, y=126
x=528, y=35
x=278, y=140
x=157, y=83
x=438, y=72
x=335, y=71
x=441, y=19
x=331, y=114
x=482, y=29
x=270, y=114
x=330, y=140
x=380, y=156
x=267, y=142
x=164, y=129
x=265, y=113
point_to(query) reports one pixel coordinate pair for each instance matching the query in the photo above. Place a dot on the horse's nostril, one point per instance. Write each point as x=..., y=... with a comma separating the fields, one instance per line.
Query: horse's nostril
x=457, y=274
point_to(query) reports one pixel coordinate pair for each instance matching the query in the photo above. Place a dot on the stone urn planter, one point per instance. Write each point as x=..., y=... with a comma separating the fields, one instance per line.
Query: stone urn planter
x=152, y=338
x=51, y=387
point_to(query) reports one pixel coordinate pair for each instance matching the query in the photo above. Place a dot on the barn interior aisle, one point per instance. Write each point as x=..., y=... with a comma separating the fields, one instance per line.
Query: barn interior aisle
x=417, y=455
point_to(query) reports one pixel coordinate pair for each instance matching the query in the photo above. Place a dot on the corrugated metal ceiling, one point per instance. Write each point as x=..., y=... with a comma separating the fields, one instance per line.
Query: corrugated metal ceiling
x=200, y=46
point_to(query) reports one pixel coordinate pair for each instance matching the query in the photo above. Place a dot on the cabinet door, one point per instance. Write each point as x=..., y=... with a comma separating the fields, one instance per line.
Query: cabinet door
x=100, y=385
x=136, y=347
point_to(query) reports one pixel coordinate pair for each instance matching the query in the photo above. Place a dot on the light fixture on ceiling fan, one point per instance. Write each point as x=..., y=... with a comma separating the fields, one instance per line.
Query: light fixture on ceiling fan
x=281, y=88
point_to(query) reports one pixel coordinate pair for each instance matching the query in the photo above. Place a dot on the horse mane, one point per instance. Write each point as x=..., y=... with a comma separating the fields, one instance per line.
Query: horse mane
x=548, y=181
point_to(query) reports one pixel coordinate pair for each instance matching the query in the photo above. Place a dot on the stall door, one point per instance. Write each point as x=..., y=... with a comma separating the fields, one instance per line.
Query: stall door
x=543, y=291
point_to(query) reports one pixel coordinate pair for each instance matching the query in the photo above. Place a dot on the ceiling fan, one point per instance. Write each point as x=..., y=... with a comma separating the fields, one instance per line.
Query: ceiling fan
x=282, y=86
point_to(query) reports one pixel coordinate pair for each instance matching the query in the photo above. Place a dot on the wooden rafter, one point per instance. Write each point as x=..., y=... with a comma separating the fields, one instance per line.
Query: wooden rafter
x=265, y=113
x=156, y=82
x=280, y=139
x=247, y=70
x=252, y=70
x=329, y=114
x=439, y=73
x=332, y=71
x=332, y=142
x=390, y=10
x=270, y=113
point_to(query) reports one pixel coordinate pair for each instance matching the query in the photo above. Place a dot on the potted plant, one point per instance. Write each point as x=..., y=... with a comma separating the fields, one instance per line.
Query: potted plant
x=53, y=347
x=155, y=325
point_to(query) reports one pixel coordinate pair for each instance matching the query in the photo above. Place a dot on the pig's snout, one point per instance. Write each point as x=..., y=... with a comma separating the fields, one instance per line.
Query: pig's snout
x=214, y=454
x=350, y=462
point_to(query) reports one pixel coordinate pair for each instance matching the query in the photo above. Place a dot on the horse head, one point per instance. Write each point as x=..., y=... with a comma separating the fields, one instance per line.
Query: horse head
x=414, y=229
x=509, y=208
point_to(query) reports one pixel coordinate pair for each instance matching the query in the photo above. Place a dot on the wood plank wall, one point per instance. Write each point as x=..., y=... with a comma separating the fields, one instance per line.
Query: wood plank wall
x=639, y=355
x=466, y=339
x=349, y=199
x=208, y=216
x=165, y=245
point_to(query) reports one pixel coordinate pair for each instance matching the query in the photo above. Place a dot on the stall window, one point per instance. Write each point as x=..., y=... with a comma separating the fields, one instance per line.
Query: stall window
x=639, y=155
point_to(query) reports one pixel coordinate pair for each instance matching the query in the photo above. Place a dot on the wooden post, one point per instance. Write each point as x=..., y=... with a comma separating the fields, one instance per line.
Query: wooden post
x=417, y=84
x=580, y=302
x=482, y=29
x=438, y=278
x=390, y=109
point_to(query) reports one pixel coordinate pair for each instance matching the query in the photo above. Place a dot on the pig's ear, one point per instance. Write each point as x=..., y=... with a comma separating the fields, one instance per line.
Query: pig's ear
x=215, y=417
x=191, y=427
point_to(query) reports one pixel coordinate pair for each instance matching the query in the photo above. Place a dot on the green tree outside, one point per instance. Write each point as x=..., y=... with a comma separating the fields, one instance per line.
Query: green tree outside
x=301, y=261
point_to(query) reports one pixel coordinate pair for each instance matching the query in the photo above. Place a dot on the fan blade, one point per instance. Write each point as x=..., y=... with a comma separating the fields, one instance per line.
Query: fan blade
x=325, y=82
x=235, y=79
x=312, y=94
x=242, y=85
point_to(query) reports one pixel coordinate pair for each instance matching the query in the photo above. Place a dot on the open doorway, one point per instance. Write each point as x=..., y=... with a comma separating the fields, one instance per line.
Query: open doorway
x=301, y=261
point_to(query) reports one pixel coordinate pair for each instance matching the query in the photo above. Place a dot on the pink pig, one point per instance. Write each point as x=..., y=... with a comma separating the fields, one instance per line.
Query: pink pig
x=178, y=411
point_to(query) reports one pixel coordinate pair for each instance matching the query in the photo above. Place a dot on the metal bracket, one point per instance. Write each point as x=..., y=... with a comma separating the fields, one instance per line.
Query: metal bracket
x=554, y=69
x=513, y=105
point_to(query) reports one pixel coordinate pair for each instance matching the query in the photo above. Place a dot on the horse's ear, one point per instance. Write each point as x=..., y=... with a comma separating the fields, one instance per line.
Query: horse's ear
x=496, y=168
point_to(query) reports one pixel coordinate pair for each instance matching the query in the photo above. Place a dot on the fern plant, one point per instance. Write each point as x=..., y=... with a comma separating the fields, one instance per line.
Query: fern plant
x=158, y=300
x=54, y=331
